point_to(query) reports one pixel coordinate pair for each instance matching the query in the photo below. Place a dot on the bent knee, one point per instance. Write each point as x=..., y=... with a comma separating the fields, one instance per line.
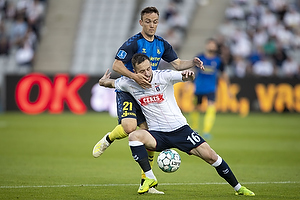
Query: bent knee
x=129, y=126
x=135, y=136
x=129, y=129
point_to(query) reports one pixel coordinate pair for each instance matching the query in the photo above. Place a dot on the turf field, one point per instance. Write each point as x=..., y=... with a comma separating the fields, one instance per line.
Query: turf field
x=49, y=157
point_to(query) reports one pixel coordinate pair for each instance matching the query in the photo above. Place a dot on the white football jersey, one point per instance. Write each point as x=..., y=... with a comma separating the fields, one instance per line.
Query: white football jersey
x=158, y=103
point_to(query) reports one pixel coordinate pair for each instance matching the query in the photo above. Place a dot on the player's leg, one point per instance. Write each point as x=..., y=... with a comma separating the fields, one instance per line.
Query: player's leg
x=127, y=117
x=210, y=116
x=205, y=152
x=137, y=139
x=152, y=189
x=150, y=153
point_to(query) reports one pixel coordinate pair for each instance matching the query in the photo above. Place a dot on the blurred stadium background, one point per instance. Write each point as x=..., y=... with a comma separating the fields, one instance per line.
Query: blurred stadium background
x=259, y=42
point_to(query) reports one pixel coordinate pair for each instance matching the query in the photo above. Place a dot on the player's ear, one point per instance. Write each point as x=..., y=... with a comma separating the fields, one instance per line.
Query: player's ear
x=141, y=22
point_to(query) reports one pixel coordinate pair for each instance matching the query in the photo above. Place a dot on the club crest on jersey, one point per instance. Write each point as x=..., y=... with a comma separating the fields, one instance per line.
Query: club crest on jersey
x=122, y=54
x=143, y=50
x=151, y=99
x=158, y=51
x=157, y=88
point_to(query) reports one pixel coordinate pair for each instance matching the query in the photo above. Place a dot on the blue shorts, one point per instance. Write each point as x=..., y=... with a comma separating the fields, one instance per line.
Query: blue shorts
x=210, y=96
x=184, y=139
x=127, y=107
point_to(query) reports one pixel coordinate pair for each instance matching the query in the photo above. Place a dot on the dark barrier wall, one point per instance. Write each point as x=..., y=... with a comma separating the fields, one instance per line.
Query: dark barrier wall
x=36, y=93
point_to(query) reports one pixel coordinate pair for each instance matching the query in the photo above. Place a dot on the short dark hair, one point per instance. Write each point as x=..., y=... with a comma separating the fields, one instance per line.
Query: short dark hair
x=208, y=40
x=138, y=58
x=148, y=10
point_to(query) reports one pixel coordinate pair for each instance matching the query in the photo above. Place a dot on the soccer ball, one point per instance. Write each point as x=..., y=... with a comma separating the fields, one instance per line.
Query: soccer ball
x=168, y=160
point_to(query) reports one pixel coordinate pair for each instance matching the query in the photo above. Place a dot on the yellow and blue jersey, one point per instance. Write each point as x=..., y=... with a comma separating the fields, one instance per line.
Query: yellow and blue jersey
x=156, y=50
x=206, y=81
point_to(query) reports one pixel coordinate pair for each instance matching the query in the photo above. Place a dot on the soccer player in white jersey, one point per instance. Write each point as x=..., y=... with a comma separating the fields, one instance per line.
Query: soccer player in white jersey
x=167, y=127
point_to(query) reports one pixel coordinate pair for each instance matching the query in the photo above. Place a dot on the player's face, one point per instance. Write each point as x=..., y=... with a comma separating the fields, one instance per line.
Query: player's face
x=211, y=47
x=145, y=69
x=149, y=24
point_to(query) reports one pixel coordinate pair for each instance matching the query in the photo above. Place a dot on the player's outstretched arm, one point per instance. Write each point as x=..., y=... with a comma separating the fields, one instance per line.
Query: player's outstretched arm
x=187, y=64
x=106, y=81
x=188, y=75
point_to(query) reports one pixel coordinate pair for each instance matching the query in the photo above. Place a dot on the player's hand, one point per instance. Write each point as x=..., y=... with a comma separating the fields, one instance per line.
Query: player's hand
x=142, y=81
x=188, y=75
x=106, y=76
x=198, y=63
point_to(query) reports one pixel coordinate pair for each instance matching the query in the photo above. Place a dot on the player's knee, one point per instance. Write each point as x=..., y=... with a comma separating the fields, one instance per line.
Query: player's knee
x=134, y=136
x=129, y=128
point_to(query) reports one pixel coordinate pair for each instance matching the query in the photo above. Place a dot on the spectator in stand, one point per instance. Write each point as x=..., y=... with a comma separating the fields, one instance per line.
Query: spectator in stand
x=263, y=67
x=3, y=5
x=26, y=52
x=4, y=41
x=235, y=12
x=10, y=11
x=260, y=37
x=284, y=37
x=178, y=22
x=170, y=11
x=227, y=29
x=22, y=19
x=279, y=56
x=279, y=7
x=290, y=68
x=277, y=24
x=255, y=56
x=25, y=55
x=240, y=46
x=296, y=40
x=240, y=67
x=292, y=18
x=268, y=19
x=35, y=14
x=270, y=46
x=174, y=38
x=18, y=30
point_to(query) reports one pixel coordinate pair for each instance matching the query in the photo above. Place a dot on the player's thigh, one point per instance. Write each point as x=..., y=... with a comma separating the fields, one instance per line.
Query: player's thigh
x=129, y=112
x=211, y=98
x=205, y=152
x=149, y=141
x=143, y=136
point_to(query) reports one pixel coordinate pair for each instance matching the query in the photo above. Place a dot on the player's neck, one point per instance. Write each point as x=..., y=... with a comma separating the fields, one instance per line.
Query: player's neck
x=147, y=37
x=209, y=55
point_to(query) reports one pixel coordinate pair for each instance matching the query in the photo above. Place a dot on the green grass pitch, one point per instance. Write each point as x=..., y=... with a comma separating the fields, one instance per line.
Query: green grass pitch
x=50, y=157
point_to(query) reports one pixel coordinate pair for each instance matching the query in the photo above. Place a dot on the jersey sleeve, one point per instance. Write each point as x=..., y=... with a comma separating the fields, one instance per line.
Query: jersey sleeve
x=126, y=51
x=170, y=76
x=120, y=84
x=169, y=54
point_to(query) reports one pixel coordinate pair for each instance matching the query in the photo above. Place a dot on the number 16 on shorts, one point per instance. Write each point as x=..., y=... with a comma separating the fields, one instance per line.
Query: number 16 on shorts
x=194, y=138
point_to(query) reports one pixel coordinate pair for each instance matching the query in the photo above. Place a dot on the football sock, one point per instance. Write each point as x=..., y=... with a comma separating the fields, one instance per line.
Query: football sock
x=150, y=174
x=194, y=118
x=117, y=133
x=140, y=155
x=151, y=161
x=225, y=172
x=209, y=119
